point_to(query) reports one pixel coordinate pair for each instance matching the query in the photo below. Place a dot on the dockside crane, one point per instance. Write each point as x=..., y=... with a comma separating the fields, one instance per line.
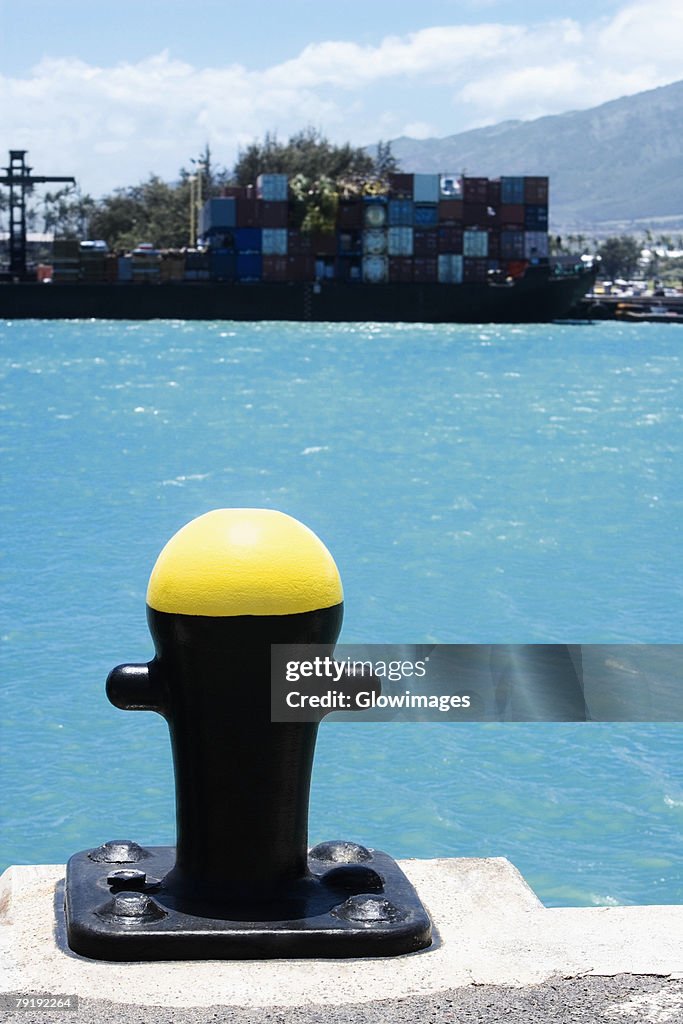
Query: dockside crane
x=20, y=180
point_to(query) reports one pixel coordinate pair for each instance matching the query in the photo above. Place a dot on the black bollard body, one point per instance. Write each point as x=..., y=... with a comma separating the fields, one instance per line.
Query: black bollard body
x=242, y=781
x=240, y=882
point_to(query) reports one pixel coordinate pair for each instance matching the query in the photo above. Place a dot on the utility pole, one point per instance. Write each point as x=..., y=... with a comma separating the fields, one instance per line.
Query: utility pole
x=20, y=180
x=195, y=202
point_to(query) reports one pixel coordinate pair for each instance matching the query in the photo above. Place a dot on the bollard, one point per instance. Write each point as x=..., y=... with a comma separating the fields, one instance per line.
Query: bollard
x=240, y=882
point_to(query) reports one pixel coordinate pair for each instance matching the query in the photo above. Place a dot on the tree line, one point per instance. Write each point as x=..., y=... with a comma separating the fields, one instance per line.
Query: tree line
x=157, y=211
x=622, y=256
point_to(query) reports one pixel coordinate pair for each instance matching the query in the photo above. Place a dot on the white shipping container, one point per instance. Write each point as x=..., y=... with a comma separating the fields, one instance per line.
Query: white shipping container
x=274, y=241
x=450, y=268
x=426, y=188
x=400, y=241
x=375, y=269
x=374, y=241
x=272, y=187
x=475, y=243
x=450, y=186
x=535, y=244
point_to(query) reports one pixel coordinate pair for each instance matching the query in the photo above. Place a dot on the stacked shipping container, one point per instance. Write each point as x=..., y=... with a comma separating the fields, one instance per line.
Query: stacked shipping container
x=427, y=227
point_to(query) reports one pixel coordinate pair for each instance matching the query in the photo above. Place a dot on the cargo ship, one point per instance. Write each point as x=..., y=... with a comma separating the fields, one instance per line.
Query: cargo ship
x=419, y=248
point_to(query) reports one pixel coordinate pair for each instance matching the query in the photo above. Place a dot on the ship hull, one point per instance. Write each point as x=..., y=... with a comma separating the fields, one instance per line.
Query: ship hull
x=538, y=297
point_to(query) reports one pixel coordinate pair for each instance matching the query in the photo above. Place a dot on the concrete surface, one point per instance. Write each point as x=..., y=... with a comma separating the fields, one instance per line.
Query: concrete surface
x=623, y=1000
x=498, y=955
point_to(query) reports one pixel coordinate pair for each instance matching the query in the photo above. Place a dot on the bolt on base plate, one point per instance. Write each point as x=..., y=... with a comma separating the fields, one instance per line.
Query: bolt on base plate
x=355, y=903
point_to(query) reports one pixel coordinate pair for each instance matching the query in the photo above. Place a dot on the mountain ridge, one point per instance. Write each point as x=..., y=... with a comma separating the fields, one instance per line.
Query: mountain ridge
x=619, y=162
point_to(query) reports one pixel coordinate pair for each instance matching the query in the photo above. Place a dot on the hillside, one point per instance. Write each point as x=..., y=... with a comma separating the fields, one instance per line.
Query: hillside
x=620, y=162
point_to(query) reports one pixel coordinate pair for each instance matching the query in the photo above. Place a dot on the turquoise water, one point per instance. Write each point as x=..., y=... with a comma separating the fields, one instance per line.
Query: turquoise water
x=475, y=484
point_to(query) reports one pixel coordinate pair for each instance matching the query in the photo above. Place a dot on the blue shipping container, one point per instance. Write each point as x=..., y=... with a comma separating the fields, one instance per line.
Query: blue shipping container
x=400, y=213
x=217, y=213
x=274, y=242
x=536, y=217
x=512, y=190
x=248, y=239
x=272, y=187
x=426, y=216
x=426, y=188
x=512, y=245
x=350, y=242
x=222, y=264
x=475, y=243
x=125, y=268
x=249, y=266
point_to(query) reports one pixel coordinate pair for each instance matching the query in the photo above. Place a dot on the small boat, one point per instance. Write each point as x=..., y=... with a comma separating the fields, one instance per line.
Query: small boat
x=658, y=314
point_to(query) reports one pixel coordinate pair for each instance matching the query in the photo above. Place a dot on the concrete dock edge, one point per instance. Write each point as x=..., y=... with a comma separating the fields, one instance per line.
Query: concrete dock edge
x=498, y=955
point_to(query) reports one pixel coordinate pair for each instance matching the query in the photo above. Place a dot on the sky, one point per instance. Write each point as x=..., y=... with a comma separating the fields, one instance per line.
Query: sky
x=112, y=92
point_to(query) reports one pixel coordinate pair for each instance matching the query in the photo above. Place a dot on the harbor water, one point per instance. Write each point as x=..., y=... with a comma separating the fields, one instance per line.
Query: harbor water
x=474, y=484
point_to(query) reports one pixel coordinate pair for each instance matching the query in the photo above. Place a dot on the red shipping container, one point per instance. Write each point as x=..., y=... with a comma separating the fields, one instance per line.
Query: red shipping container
x=536, y=191
x=494, y=245
x=511, y=214
x=111, y=268
x=323, y=243
x=450, y=238
x=475, y=269
x=300, y=268
x=475, y=215
x=401, y=186
x=298, y=242
x=425, y=269
x=350, y=213
x=236, y=191
x=450, y=210
x=274, y=268
x=274, y=215
x=400, y=268
x=493, y=193
x=475, y=190
x=425, y=243
x=248, y=213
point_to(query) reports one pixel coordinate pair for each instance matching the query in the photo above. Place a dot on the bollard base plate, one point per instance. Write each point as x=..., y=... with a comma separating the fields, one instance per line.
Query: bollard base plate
x=121, y=905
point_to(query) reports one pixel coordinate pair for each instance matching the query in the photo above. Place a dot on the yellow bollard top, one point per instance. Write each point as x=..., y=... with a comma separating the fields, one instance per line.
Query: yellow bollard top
x=244, y=561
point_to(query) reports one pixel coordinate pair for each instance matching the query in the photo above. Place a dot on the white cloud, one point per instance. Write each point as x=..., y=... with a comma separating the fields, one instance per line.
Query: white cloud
x=650, y=32
x=439, y=53
x=113, y=126
x=638, y=49
x=418, y=130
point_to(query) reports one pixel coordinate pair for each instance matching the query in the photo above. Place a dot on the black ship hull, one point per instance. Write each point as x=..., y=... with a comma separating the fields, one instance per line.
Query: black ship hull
x=540, y=296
